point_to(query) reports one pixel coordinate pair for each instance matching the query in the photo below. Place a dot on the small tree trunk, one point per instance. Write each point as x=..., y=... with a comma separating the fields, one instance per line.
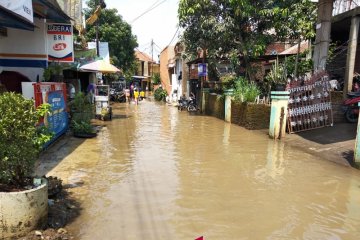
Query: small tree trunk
x=297, y=58
x=248, y=69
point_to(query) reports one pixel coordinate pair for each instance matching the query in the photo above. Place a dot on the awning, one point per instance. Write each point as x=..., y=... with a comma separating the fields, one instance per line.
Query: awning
x=51, y=10
x=99, y=66
x=13, y=20
x=139, y=77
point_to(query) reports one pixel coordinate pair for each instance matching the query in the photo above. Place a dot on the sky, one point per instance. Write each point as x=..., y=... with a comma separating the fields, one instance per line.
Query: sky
x=159, y=24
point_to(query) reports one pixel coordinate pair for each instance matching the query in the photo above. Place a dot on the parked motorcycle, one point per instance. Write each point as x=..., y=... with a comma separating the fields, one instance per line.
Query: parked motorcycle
x=192, y=107
x=182, y=104
x=350, y=107
x=117, y=95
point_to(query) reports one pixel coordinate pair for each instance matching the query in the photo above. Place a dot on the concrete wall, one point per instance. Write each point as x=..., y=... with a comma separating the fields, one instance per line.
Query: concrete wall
x=249, y=115
x=22, y=47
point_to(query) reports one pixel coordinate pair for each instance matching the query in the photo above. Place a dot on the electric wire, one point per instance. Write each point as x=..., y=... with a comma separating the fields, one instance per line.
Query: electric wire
x=148, y=10
x=177, y=30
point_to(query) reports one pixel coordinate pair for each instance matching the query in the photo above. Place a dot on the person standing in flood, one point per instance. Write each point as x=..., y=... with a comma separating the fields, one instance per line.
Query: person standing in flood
x=127, y=95
x=131, y=91
x=136, y=96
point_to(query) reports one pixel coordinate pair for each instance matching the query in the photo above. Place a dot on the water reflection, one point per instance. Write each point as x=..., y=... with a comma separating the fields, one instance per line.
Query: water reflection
x=164, y=174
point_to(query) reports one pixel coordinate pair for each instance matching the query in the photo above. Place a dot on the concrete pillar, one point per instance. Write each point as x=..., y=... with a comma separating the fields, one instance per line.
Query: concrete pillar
x=279, y=104
x=351, y=54
x=357, y=144
x=228, y=96
x=203, y=99
x=323, y=29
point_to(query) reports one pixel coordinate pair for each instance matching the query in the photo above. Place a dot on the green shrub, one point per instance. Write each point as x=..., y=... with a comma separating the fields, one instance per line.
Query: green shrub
x=228, y=81
x=156, y=79
x=81, y=109
x=160, y=94
x=245, y=91
x=82, y=127
x=20, y=139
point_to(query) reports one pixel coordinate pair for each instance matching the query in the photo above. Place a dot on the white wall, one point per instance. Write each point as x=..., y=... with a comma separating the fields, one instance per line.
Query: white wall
x=30, y=44
x=177, y=84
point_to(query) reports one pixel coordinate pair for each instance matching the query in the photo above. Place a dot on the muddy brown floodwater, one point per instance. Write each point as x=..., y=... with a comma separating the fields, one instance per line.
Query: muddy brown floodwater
x=155, y=173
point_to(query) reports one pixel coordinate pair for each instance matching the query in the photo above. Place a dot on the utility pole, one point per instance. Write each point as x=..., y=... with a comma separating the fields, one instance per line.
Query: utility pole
x=323, y=29
x=102, y=5
x=97, y=38
x=152, y=61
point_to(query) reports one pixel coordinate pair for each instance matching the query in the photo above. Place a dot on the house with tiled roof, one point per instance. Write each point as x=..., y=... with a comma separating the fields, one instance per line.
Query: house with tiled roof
x=146, y=67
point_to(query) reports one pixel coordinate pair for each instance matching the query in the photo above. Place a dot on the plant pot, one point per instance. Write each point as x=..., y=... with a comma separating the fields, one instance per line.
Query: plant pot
x=280, y=87
x=85, y=135
x=22, y=212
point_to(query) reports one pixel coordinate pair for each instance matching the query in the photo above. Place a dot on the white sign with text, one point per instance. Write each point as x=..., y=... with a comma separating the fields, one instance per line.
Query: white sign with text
x=21, y=7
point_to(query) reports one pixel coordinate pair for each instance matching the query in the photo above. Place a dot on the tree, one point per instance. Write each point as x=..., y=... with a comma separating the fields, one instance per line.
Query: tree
x=300, y=17
x=236, y=28
x=114, y=30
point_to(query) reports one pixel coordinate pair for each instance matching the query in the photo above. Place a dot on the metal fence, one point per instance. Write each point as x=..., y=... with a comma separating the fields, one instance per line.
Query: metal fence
x=309, y=103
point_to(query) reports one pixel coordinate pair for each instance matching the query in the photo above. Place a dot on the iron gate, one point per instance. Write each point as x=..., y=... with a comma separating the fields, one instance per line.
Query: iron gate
x=309, y=103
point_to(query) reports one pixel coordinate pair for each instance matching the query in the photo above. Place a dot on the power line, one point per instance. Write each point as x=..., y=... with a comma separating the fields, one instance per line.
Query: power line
x=177, y=30
x=157, y=46
x=148, y=10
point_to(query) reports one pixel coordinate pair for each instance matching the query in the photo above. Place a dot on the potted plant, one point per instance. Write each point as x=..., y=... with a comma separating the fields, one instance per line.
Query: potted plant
x=23, y=200
x=82, y=111
x=277, y=77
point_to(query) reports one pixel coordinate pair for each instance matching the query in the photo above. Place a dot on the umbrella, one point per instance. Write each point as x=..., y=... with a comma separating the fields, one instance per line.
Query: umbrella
x=99, y=66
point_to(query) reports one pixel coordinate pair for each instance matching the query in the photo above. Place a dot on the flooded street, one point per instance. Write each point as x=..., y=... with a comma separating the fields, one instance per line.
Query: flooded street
x=155, y=173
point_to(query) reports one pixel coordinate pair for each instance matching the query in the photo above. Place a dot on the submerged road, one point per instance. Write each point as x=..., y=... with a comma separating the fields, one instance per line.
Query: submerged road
x=155, y=173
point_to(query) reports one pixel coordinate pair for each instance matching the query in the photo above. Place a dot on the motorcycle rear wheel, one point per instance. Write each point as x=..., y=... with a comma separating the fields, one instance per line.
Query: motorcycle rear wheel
x=191, y=108
x=351, y=116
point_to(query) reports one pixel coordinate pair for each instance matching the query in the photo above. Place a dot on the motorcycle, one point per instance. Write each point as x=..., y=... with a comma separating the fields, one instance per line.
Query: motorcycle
x=117, y=95
x=350, y=107
x=192, y=107
x=182, y=104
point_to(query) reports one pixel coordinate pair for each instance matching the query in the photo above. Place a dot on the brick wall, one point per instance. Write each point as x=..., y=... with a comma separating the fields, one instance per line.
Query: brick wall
x=249, y=115
x=337, y=101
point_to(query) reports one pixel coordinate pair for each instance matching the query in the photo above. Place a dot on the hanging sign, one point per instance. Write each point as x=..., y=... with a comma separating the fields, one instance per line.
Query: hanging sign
x=202, y=69
x=60, y=42
x=21, y=7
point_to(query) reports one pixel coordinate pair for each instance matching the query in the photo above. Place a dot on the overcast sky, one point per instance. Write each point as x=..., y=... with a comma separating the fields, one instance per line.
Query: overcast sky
x=159, y=24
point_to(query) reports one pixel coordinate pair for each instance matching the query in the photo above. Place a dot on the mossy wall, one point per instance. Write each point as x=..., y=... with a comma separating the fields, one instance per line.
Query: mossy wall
x=215, y=106
x=249, y=115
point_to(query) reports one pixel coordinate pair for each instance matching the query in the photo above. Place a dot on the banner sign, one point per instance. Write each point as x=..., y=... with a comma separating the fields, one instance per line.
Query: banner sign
x=21, y=7
x=57, y=120
x=202, y=69
x=309, y=103
x=103, y=50
x=60, y=42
